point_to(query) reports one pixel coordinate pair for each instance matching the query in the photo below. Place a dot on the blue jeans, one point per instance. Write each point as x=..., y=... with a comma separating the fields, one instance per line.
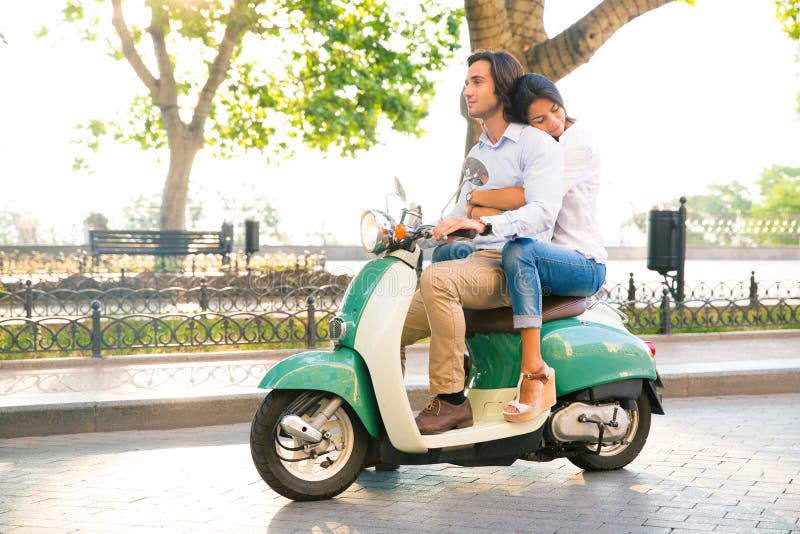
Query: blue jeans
x=535, y=269
x=454, y=250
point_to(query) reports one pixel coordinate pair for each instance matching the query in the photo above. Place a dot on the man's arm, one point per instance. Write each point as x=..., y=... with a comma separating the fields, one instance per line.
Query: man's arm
x=543, y=179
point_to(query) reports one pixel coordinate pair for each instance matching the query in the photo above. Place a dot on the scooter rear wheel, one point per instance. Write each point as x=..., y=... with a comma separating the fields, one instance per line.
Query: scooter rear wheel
x=617, y=456
x=288, y=464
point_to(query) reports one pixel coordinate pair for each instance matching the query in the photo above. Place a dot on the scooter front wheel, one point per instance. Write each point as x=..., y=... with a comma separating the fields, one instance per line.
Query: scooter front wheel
x=617, y=456
x=300, y=469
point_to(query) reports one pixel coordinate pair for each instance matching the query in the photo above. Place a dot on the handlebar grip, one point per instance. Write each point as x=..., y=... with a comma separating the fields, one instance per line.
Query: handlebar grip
x=469, y=234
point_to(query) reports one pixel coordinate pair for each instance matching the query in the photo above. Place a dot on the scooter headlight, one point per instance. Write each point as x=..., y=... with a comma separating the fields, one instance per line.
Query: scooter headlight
x=376, y=231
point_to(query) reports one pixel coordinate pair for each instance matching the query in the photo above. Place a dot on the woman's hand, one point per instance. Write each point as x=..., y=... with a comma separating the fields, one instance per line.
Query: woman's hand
x=506, y=198
x=482, y=211
x=452, y=224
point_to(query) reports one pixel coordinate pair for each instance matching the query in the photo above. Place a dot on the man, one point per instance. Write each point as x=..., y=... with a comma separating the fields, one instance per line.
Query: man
x=507, y=154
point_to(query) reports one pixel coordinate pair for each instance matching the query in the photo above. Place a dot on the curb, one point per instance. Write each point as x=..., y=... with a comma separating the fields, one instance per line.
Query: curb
x=112, y=416
x=161, y=414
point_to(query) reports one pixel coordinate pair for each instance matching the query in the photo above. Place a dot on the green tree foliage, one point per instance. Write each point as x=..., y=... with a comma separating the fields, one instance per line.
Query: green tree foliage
x=8, y=226
x=726, y=215
x=780, y=193
x=141, y=212
x=788, y=13
x=251, y=74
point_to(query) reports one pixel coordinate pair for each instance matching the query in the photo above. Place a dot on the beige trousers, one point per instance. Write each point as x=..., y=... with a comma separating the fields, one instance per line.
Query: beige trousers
x=445, y=288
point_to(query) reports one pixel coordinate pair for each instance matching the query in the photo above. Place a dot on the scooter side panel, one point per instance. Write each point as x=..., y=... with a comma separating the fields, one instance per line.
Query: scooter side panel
x=341, y=372
x=358, y=293
x=583, y=355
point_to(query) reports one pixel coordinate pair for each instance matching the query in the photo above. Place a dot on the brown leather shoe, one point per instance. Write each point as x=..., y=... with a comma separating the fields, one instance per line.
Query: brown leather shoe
x=440, y=416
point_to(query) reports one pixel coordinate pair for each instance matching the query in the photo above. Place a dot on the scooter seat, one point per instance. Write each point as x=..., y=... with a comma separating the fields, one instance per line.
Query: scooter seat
x=502, y=319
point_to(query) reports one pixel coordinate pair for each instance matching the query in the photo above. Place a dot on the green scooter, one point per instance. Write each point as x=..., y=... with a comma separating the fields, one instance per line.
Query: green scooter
x=332, y=413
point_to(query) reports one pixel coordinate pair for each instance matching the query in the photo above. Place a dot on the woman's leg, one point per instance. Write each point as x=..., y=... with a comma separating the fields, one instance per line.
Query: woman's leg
x=565, y=272
x=519, y=263
x=535, y=269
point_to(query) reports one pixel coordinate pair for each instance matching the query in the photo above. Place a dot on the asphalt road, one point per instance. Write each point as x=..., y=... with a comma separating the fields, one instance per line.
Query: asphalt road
x=712, y=464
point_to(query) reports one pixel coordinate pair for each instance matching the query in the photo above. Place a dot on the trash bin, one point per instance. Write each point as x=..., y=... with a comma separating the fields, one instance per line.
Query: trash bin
x=251, y=245
x=663, y=241
x=666, y=246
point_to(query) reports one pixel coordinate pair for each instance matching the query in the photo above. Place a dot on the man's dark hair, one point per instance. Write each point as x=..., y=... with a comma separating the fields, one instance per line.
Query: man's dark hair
x=505, y=69
x=532, y=87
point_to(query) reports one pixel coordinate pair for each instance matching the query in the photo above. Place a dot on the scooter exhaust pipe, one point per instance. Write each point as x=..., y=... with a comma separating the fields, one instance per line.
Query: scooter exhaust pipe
x=299, y=428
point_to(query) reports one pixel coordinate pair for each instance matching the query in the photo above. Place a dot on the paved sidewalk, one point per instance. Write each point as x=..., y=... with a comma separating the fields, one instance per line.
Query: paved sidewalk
x=723, y=465
x=72, y=395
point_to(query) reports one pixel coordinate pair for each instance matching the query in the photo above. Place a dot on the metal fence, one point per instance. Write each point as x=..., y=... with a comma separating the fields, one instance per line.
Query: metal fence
x=717, y=306
x=97, y=321
x=98, y=333
x=31, y=302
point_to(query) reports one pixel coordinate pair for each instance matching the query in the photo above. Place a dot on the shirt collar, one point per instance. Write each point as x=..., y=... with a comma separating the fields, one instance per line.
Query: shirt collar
x=512, y=133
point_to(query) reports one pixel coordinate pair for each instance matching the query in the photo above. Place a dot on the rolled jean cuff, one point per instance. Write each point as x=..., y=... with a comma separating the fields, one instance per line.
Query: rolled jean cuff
x=527, y=321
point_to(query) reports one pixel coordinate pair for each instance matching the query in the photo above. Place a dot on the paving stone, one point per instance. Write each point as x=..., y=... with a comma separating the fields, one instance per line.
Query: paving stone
x=203, y=480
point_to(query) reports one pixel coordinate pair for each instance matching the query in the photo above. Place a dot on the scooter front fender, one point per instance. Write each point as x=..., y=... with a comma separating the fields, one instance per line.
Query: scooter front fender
x=341, y=372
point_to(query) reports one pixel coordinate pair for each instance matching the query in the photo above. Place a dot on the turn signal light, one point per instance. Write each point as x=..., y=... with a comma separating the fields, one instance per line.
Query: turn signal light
x=400, y=231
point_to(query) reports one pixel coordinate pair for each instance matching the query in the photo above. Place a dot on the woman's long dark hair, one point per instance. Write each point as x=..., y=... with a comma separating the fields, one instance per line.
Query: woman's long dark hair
x=532, y=87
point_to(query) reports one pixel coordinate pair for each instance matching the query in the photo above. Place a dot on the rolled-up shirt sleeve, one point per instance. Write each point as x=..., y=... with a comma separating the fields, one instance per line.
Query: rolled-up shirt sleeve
x=543, y=179
x=460, y=207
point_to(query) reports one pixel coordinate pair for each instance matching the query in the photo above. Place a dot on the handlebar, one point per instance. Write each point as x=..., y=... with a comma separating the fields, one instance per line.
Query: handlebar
x=468, y=234
x=424, y=231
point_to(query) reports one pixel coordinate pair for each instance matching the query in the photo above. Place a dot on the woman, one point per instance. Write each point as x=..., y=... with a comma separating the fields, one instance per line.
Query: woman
x=572, y=264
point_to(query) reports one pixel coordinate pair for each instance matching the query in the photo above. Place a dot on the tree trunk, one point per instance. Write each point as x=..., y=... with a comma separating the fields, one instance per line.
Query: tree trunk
x=184, y=139
x=176, y=188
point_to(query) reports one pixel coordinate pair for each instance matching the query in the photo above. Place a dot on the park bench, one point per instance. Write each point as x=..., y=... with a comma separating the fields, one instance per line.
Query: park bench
x=161, y=242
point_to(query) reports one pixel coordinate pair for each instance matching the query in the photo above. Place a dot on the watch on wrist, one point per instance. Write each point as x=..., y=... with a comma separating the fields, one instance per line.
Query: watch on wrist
x=469, y=197
x=487, y=228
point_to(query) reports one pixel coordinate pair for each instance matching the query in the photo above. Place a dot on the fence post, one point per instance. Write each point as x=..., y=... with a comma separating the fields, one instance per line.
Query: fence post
x=631, y=289
x=753, y=289
x=122, y=276
x=97, y=334
x=28, y=299
x=311, y=325
x=203, y=294
x=666, y=320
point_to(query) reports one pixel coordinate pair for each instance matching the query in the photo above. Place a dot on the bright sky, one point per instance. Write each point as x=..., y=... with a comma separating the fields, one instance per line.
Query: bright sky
x=680, y=98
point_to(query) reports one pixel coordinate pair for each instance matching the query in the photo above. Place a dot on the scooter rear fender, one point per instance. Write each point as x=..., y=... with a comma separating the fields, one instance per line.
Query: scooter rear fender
x=341, y=372
x=584, y=354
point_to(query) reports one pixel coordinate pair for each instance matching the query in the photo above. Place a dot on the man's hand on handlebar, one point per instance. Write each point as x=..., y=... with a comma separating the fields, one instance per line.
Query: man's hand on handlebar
x=450, y=225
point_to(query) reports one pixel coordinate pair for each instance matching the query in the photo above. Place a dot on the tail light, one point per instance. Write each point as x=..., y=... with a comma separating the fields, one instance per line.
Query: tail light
x=652, y=347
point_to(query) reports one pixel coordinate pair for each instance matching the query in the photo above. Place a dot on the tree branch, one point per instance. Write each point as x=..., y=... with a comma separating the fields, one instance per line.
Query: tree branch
x=574, y=46
x=218, y=71
x=129, y=49
x=166, y=96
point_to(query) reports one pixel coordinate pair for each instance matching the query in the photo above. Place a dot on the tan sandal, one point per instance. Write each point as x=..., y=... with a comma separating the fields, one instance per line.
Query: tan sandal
x=546, y=399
